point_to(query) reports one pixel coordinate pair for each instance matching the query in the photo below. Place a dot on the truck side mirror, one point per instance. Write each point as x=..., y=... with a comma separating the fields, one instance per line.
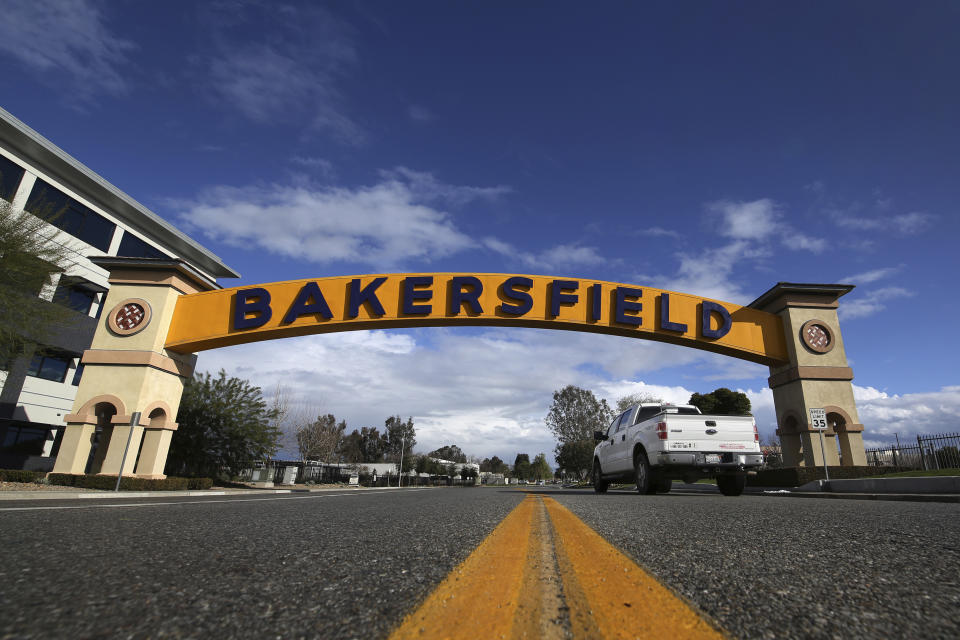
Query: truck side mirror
x=599, y=436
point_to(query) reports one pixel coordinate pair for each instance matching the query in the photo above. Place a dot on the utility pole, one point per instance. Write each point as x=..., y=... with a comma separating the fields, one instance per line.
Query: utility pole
x=400, y=475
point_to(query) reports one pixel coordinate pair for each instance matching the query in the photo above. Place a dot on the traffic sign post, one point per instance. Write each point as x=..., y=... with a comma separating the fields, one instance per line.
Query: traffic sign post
x=818, y=421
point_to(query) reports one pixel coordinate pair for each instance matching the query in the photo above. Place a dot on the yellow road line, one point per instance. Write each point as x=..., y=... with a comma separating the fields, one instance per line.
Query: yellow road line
x=480, y=597
x=609, y=595
x=506, y=588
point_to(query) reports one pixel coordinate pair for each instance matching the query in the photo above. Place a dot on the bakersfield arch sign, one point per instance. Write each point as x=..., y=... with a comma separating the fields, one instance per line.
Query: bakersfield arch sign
x=162, y=313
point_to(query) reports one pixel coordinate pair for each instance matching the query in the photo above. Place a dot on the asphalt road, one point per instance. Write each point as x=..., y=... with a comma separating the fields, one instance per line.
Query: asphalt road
x=351, y=564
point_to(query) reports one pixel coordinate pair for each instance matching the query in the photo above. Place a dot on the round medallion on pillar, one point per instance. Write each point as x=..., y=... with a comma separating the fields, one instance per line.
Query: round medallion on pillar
x=816, y=336
x=129, y=317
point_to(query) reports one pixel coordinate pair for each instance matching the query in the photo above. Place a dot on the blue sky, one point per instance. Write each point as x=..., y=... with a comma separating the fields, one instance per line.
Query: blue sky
x=708, y=148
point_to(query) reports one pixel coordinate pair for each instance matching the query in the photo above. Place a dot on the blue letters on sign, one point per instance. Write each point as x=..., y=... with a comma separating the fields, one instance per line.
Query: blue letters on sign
x=665, y=316
x=410, y=295
x=303, y=307
x=623, y=305
x=254, y=300
x=707, y=309
x=558, y=297
x=458, y=296
x=508, y=290
x=597, y=300
x=360, y=296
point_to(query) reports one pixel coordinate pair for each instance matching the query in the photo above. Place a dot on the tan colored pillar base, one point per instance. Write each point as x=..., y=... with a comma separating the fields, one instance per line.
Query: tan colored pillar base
x=118, y=442
x=153, y=456
x=851, y=446
x=74, y=449
x=812, y=456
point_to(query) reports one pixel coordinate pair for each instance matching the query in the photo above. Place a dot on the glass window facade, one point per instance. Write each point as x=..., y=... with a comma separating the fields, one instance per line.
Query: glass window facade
x=133, y=247
x=10, y=176
x=65, y=213
x=75, y=297
x=50, y=366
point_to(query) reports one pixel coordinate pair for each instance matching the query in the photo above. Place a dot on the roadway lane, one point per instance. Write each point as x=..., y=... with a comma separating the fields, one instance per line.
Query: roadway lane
x=351, y=565
x=322, y=565
x=779, y=567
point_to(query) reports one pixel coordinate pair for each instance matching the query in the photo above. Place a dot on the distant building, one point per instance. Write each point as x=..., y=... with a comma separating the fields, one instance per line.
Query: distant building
x=96, y=219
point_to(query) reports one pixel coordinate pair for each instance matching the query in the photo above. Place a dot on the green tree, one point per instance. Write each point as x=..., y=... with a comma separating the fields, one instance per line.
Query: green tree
x=540, y=468
x=628, y=401
x=722, y=402
x=575, y=458
x=450, y=452
x=493, y=465
x=575, y=414
x=521, y=466
x=225, y=426
x=399, y=434
x=31, y=252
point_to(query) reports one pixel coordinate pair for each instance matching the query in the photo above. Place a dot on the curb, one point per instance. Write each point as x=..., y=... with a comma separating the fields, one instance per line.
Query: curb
x=95, y=495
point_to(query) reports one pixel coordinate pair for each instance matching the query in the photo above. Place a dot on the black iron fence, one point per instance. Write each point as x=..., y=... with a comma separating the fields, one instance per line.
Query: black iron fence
x=938, y=451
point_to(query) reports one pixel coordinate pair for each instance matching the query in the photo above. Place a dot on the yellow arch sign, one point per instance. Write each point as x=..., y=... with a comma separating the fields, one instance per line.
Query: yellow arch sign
x=300, y=307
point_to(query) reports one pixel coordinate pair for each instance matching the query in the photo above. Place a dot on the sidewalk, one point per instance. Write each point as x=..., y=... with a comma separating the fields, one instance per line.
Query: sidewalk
x=69, y=493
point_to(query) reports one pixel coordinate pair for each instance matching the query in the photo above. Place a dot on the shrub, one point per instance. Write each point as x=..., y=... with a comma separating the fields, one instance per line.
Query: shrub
x=128, y=484
x=20, y=475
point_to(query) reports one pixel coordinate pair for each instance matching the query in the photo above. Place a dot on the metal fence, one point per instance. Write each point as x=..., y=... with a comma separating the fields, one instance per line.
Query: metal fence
x=939, y=451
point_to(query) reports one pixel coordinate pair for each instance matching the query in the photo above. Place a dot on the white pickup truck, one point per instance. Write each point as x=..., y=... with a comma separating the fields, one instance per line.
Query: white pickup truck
x=653, y=444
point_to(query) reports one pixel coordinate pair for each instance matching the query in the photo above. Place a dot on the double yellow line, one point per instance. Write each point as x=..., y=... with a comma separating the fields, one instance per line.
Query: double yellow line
x=543, y=573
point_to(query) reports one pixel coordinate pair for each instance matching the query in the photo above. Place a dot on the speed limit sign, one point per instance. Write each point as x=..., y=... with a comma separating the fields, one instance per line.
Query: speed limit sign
x=818, y=419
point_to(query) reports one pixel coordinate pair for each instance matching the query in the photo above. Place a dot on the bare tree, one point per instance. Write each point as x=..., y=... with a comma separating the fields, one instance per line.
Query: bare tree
x=315, y=435
x=628, y=401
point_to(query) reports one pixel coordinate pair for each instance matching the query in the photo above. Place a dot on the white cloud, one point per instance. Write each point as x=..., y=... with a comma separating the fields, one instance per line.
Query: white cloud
x=321, y=166
x=289, y=73
x=425, y=187
x=66, y=37
x=382, y=225
x=754, y=220
x=886, y=416
x=908, y=224
x=871, y=276
x=708, y=273
x=419, y=114
x=556, y=257
x=659, y=231
x=871, y=302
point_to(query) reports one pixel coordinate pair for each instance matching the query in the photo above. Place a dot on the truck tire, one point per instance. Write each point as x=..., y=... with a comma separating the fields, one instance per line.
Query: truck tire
x=599, y=484
x=732, y=485
x=642, y=474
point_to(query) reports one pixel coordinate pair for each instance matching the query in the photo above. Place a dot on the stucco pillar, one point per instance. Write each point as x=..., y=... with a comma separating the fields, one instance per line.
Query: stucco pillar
x=153, y=456
x=127, y=368
x=816, y=375
x=74, y=448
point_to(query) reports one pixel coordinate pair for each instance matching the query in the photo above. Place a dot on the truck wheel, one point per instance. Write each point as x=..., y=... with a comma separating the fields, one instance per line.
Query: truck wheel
x=731, y=485
x=641, y=474
x=599, y=484
x=664, y=485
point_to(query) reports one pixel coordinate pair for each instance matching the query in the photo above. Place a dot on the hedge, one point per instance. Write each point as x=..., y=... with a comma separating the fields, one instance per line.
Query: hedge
x=797, y=476
x=129, y=484
x=20, y=475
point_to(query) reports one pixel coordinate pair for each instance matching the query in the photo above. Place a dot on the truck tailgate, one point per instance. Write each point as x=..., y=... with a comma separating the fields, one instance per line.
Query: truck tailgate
x=710, y=433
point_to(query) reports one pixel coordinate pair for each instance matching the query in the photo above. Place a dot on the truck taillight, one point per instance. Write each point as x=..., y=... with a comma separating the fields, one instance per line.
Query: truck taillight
x=662, y=430
x=756, y=434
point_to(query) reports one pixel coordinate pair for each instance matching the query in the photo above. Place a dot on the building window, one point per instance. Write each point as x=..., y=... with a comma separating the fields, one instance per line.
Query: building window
x=24, y=440
x=50, y=366
x=133, y=247
x=65, y=213
x=10, y=175
x=74, y=296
